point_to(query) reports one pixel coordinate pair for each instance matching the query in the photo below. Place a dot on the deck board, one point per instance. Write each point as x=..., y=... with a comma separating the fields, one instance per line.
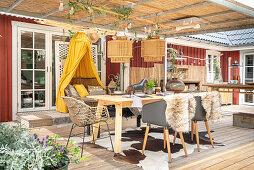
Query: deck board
x=238, y=152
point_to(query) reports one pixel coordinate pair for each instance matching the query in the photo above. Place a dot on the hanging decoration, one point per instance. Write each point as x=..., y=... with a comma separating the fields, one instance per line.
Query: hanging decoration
x=120, y=50
x=153, y=50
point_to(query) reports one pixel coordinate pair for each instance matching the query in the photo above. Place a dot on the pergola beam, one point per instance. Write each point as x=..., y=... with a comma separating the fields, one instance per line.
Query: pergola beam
x=202, y=17
x=141, y=2
x=215, y=23
x=16, y=3
x=170, y=11
x=212, y=30
x=234, y=7
x=53, y=12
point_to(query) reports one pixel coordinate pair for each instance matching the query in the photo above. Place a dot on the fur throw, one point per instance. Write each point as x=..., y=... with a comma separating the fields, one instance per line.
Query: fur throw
x=211, y=103
x=180, y=109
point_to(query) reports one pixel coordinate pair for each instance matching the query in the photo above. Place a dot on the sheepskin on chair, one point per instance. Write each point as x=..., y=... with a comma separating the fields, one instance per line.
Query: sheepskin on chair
x=180, y=109
x=211, y=103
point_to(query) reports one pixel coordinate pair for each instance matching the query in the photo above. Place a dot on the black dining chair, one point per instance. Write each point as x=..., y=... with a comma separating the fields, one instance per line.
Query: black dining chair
x=154, y=113
x=200, y=115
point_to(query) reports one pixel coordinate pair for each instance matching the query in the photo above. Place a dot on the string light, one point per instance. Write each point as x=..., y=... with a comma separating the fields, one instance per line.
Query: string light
x=61, y=6
x=72, y=11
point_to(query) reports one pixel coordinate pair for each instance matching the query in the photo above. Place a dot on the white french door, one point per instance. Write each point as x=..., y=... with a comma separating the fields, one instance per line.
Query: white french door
x=33, y=70
x=213, y=65
x=248, y=76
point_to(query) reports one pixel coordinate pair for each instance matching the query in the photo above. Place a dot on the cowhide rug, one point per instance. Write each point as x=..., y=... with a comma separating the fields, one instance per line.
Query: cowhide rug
x=155, y=157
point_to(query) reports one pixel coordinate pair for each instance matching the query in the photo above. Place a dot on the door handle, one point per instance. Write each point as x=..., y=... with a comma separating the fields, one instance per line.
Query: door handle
x=47, y=69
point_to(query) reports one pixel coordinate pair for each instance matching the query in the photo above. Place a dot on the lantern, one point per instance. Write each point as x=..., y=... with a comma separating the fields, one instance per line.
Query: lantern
x=120, y=50
x=153, y=50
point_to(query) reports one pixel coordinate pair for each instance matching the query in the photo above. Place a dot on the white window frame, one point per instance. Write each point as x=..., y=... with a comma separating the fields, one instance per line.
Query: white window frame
x=242, y=73
x=210, y=78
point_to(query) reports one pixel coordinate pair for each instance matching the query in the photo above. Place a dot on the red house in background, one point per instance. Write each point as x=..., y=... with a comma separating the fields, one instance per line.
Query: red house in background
x=30, y=64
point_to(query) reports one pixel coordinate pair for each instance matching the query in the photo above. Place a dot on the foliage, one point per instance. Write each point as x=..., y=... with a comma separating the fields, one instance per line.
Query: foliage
x=216, y=69
x=150, y=85
x=125, y=13
x=91, y=9
x=63, y=57
x=19, y=150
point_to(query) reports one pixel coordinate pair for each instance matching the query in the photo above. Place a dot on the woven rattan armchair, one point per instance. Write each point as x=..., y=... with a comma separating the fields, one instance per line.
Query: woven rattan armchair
x=83, y=115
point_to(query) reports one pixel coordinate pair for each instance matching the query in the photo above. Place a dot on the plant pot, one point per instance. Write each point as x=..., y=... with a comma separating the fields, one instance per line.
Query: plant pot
x=149, y=91
x=175, y=85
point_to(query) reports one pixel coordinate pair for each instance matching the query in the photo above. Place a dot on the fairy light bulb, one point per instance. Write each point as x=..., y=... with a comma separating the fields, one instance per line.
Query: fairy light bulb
x=61, y=6
x=72, y=10
x=126, y=30
x=90, y=10
x=156, y=26
x=129, y=26
x=145, y=29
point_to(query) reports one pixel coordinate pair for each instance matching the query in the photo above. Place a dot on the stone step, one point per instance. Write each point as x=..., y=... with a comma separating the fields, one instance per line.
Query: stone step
x=43, y=118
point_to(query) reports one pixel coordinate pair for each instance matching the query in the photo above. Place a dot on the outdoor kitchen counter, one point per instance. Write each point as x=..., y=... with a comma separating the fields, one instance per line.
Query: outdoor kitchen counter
x=248, y=88
x=119, y=102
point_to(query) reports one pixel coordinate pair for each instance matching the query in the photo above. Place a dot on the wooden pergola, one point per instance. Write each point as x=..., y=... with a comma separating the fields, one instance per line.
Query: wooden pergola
x=211, y=15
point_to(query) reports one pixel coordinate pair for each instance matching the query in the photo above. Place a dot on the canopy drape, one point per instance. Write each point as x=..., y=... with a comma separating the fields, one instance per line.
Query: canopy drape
x=79, y=63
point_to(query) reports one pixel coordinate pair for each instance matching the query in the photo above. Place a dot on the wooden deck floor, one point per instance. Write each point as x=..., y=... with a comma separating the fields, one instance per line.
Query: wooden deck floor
x=237, y=153
x=241, y=157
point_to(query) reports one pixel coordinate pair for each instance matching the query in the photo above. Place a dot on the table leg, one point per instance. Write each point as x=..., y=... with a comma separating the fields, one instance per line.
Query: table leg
x=96, y=127
x=118, y=128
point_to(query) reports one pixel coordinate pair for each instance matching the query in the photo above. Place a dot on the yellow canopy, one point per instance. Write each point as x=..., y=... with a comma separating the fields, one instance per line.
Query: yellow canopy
x=79, y=63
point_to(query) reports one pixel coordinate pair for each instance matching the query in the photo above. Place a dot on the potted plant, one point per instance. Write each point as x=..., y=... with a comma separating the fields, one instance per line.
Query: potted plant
x=149, y=87
x=20, y=150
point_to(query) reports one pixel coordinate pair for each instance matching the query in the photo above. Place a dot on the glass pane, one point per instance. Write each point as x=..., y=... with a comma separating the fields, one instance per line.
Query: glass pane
x=26, y=59
x=39, y=98
x=99, y=73
x=249, y=60
x=39, y=59
x=99, y=62
x=249, y=98
x=39, y=40
x=26, y=79
x=39, y=79
x=249, y=72
x=26, y=99
x=26, y=39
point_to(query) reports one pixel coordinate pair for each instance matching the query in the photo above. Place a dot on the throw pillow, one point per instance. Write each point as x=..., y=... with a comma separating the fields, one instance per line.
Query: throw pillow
x=81, y=90
x=73, y=91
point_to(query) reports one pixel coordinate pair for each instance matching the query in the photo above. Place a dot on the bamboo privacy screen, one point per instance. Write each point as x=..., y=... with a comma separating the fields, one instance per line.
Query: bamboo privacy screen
x=153, y=50
x=120, y=50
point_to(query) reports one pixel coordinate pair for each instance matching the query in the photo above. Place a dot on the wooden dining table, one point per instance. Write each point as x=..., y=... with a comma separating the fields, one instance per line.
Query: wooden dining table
x=119, y=102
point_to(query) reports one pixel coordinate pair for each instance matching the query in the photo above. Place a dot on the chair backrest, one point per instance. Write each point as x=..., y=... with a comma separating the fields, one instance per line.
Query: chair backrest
x=200, y=113
x=80, y=113
x=85, y=81
x=154, y=113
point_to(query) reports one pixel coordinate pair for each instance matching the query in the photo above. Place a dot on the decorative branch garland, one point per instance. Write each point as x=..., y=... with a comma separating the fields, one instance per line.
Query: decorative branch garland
x=121, y=14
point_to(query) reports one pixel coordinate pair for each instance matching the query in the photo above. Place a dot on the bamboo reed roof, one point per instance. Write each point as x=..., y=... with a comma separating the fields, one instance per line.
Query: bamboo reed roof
x=169, y=14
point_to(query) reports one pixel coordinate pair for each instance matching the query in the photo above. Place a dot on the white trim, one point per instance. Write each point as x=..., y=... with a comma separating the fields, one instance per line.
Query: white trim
x=242, y=73
x=203, y=45
x=14, y=72
x=103, y=60
x=36, y=26
x=33, y=27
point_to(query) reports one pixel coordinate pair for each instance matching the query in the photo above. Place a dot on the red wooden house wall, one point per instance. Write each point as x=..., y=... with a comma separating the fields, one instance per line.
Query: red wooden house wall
x=235, y=56
x=6, y=65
